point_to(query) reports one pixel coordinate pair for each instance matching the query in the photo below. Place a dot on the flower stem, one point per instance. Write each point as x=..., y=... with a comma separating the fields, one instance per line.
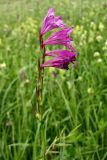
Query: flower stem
x=39, y=87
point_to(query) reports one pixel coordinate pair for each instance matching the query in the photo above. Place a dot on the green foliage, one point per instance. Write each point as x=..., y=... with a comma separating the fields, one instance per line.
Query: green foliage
x=74, y=121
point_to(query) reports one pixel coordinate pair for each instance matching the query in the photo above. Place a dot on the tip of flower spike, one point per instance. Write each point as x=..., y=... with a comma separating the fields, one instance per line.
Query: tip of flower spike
x=51, y=12
x=51, y=21
x=50, y=9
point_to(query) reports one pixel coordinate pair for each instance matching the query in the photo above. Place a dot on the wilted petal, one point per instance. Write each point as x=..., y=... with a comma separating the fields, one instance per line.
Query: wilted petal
x=50, y=22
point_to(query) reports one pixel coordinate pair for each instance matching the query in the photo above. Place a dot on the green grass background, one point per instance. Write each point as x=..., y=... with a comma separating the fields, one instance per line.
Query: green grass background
x=74, y=121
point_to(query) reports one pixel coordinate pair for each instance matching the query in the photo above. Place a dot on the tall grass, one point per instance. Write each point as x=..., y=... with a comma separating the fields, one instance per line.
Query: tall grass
x=74, y=122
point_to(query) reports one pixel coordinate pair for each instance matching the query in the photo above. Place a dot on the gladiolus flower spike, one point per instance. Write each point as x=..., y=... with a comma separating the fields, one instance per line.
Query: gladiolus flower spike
x=60, y=58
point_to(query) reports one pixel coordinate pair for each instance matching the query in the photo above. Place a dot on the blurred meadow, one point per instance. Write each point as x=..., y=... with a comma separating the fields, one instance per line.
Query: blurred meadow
x=74, y=121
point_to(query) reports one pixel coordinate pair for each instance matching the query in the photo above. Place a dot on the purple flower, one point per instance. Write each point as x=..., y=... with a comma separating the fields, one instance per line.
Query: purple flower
x=60, y=53
x=50, y=22
x=62, y=58
x=61, y=37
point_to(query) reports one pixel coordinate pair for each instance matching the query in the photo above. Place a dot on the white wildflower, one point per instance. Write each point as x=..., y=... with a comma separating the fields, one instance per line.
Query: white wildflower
x=90, y=90
x=99, y=60
x=96, y=54
x=2, y=65
x=99, y=38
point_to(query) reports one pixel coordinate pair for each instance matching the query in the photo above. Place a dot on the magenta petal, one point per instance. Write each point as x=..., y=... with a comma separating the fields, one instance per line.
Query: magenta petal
x=61, y=53
x=50, y=12
x=60, y=37
x=57, y=63
x=61, y=59
x=51, y=21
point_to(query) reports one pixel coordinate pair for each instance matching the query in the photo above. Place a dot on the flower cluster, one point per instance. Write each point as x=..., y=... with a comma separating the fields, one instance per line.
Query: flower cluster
x=60, y=58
